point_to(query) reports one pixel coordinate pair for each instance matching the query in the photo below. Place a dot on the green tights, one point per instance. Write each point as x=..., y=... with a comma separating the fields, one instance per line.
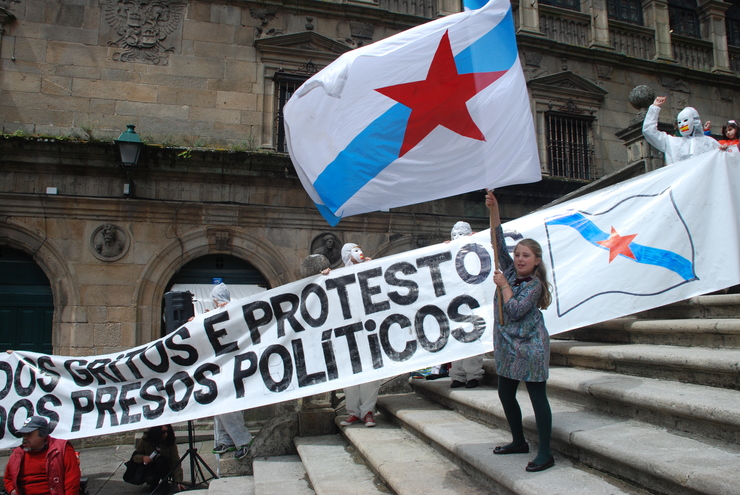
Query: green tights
x=543, y=416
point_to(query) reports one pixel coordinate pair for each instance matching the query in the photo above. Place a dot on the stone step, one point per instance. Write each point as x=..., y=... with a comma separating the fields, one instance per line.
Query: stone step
x=708, y=306
x=333, y=466
x=701, y=366
x=689, y=332
x=470, y=444
x=695, y=409
x=203, y=432
x=407, y=465
x=647, y=455
x=237, y=485
x=280, y=475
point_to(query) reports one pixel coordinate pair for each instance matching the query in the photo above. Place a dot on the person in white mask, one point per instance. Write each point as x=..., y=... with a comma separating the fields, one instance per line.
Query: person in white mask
x=360, y=399
x=465, y=372
x=692, y=142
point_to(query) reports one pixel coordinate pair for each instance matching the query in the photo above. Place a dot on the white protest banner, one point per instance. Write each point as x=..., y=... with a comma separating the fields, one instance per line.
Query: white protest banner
x=366, y=322
x=650, y=241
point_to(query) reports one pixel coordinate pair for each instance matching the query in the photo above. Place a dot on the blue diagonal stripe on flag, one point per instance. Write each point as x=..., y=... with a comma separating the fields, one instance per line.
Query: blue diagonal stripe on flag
x=663, y=260
x=643, y=254
x=378, y=145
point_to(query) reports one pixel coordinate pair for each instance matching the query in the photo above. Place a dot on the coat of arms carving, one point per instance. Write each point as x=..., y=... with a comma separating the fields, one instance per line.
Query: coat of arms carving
x=142, y=28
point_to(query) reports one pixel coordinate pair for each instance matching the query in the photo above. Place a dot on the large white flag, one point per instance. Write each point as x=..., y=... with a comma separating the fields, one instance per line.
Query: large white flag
x=438, y=110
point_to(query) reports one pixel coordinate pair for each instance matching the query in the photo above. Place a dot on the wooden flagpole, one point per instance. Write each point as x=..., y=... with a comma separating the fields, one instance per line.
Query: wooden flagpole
x=494, y=243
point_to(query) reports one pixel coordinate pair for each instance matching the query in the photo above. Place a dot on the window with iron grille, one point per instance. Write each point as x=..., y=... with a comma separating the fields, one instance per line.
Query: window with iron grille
x=569, y=148
x=625, y=11
x=732, y=21
x=564, y=4
x=285, y=86
x=683, y=18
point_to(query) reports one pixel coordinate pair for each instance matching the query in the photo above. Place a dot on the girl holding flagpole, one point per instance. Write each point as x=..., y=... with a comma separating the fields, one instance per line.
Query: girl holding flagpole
x=521, y=341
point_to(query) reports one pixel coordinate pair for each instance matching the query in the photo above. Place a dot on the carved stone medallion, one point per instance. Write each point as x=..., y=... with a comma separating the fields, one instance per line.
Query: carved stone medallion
x=109, y=242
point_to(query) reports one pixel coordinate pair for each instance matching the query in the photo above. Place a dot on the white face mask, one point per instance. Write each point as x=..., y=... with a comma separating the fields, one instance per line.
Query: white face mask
x=461, y=229
x=356, y=254
x=689, y=122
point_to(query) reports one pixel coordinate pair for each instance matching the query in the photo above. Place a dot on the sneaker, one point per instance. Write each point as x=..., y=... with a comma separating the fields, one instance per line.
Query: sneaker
x=369, y=420
x=457, y=384
x=352, y=419
x=222, y=448
x=242, y=451
x=471, y=383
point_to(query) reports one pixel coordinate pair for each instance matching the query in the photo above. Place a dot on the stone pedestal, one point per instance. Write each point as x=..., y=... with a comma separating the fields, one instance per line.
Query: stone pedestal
x=316, y=421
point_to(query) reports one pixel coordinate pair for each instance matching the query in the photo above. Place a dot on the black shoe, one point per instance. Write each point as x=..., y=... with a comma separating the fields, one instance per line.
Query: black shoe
x=522, y=449
x=533, y=468
x=471, y=384
x=456, y=384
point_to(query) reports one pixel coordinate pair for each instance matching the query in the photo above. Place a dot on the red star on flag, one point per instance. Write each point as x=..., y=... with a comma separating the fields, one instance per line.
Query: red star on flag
x=618, y=244
x=441, y=98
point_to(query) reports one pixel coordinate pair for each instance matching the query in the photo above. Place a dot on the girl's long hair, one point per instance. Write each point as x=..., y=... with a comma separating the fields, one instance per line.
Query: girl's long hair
x=540, y=271
x=154, y=435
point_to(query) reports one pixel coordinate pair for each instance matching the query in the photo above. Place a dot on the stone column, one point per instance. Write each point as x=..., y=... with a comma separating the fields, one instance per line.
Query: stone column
x=529, y=17
x=446, y=7
x=599, y=23
x=713, y=28
x=655, y=13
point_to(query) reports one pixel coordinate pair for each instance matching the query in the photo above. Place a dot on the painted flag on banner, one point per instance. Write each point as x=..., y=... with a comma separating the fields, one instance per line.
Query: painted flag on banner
x=633, y=254
x=653, y=240
x=438, y=110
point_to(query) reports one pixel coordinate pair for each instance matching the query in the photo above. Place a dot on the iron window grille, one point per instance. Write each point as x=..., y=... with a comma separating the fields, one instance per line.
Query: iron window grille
x=285, y=86
x=683, y=18
x=563, y=4
x=625, y=10
x=732, y=21
x=569, y=149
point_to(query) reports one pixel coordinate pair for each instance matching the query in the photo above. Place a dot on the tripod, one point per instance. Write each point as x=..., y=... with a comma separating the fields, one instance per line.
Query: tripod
x=196, y=461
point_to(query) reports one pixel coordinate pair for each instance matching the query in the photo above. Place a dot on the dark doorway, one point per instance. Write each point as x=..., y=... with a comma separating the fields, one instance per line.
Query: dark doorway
x=201, y=274
x=26, y=303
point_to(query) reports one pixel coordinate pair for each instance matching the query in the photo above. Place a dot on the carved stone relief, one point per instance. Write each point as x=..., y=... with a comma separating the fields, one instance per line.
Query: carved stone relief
x=109, y=242
x=604, y=71
x=143, y=29
x=328, y=245
x=674, y=84
x=533, y=59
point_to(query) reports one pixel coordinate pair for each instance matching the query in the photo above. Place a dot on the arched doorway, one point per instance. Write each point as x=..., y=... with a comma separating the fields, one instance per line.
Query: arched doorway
x=201, y=274
x=26, y=303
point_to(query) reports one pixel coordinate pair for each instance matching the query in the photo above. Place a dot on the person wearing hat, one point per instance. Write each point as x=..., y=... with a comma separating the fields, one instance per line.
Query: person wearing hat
x=42, y=464
x=359, y=399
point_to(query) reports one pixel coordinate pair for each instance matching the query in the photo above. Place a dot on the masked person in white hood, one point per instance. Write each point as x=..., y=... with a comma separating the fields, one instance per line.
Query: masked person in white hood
x=229, y=432
x=465, y=372
x=692, y=142
x=360, y=399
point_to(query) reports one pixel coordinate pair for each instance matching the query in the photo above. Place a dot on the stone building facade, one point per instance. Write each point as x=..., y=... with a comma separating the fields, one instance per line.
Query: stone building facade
x=203, y=81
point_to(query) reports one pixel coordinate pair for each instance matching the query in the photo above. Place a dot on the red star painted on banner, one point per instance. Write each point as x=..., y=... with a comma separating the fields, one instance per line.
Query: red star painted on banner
x=441, y=98
x=618, y=244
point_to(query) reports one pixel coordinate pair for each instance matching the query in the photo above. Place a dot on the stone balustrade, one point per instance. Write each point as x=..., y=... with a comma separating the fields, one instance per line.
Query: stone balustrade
x=632, y=40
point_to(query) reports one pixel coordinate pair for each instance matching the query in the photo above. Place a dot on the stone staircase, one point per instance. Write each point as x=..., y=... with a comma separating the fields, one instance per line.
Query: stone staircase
x=644, y=404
